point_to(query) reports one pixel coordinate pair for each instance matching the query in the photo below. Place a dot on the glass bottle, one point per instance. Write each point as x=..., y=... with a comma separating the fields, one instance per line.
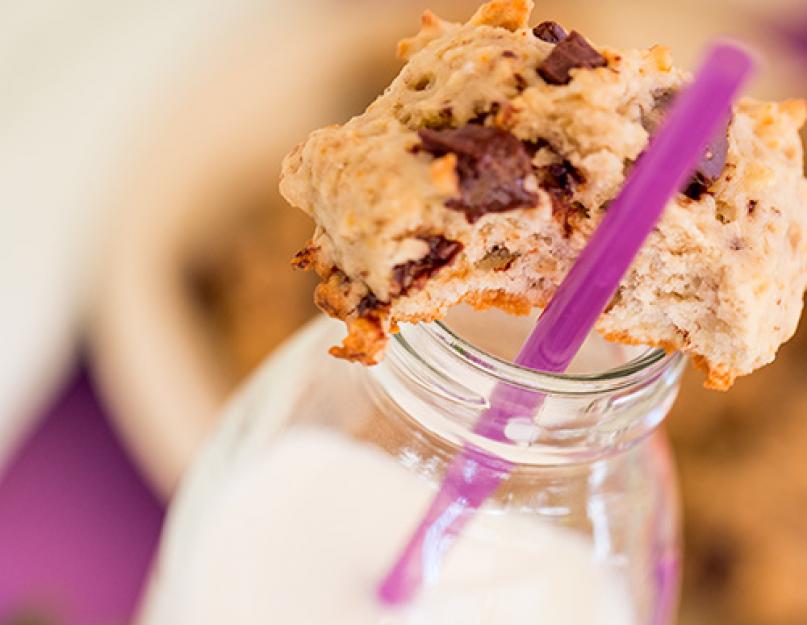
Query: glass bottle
x=321, y=470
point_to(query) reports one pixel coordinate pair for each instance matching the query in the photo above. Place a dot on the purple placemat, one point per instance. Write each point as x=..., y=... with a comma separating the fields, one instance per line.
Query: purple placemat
x=78, y=526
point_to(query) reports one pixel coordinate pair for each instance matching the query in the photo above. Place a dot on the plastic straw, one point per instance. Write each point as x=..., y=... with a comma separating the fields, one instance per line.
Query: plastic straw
x=698, y=113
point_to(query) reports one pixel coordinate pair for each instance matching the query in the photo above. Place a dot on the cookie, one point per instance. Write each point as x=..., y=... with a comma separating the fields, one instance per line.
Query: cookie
x=479, y=175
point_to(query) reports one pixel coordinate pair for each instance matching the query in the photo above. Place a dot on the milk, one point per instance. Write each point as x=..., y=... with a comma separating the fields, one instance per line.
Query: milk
x=303, y=535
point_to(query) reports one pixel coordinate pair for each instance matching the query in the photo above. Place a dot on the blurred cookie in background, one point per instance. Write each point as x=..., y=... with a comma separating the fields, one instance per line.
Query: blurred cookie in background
x=743, y=470
x=242, y=298
x=197, y=286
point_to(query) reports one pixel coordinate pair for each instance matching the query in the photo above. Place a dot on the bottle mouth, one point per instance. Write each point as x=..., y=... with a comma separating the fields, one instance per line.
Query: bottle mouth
x=421, y=341
x=445, y=382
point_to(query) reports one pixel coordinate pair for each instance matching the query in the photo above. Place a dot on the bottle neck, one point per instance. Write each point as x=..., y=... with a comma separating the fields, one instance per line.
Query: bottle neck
x=449, y=389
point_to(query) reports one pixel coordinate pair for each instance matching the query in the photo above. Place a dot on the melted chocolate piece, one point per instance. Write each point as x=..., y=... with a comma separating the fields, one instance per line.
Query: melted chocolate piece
x=559, y=181
x=713, y=162
x=415, y=273
x=492, y=165
x=571, y=53
x=695, y=189
x=714, y=159
x=551, y=32
x=710, y=166
x=369, y=304
x=533, y=147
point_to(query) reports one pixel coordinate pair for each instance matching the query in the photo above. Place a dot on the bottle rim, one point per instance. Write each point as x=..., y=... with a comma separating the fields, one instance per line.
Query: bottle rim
x=648, y=365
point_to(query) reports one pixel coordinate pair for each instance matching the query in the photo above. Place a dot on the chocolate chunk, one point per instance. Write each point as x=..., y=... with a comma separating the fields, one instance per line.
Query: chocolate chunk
x=492, y=166
x=695, y=189
x=533, y=147
x=509, y=54
x=370, y=304
x=414, y=274
x=551, y=32
x=560, y=180
x=714, y=159
x=710, y=166
x=571, y=53
x=752, y=206
x=662, y=100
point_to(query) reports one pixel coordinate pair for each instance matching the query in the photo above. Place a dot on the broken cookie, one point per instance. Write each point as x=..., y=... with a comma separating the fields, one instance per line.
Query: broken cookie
x=481, y=172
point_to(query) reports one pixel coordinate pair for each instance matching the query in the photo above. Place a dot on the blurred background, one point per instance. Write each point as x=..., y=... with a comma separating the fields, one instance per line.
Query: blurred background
x=145, y=273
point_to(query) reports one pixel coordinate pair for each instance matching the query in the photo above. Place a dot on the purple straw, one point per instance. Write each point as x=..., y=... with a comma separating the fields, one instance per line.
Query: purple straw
x=698, y=113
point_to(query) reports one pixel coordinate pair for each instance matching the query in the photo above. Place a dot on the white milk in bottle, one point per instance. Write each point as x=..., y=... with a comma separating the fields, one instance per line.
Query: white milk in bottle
x=302, y=501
